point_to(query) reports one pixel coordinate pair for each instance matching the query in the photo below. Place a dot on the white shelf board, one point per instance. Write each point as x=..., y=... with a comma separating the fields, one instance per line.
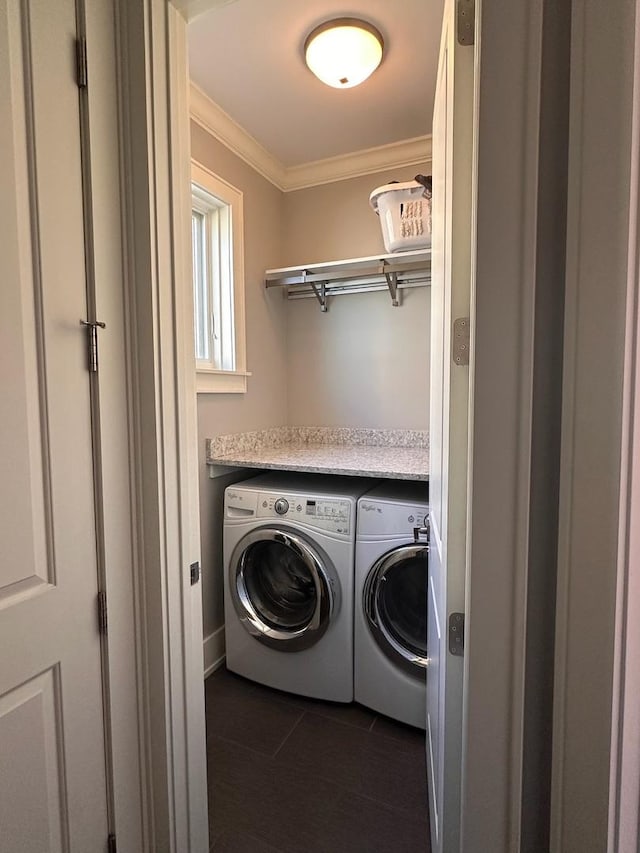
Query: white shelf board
x=354, y=275
x=352, y=263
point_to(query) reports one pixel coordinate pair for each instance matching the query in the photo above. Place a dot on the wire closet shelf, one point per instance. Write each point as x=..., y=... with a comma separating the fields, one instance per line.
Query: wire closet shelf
x=393, y=272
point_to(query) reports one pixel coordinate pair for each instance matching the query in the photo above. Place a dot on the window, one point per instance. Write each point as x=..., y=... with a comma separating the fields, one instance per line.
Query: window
x=218, y=283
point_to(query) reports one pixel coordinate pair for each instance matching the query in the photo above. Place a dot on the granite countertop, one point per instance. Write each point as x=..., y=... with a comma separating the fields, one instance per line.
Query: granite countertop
x=392, y=454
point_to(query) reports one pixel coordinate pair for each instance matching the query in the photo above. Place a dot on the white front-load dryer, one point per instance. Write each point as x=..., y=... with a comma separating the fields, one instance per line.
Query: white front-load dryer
x=289, y=546
x=390, y=654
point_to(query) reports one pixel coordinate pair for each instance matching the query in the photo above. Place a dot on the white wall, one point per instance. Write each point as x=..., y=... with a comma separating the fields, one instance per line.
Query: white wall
x=363, y=363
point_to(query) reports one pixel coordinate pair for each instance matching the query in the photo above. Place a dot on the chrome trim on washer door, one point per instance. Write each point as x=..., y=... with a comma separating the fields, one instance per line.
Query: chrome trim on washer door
x=409, y=659
x=319, y=569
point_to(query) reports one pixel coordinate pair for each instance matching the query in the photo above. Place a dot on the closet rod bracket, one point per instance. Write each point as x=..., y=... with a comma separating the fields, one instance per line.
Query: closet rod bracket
x=392, y=283
x=320, y=292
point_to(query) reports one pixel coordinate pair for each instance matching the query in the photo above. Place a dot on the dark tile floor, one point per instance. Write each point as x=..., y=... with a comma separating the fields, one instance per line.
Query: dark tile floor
x=296, y=775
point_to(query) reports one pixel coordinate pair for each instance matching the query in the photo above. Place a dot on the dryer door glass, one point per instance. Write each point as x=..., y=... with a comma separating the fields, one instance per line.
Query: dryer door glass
x=281, y=589
x=395, y=601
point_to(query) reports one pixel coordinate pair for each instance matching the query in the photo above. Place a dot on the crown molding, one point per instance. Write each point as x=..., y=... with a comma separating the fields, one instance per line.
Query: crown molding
x=190, y=9
x=408, y=152
x=212, y=118
x=219, y=124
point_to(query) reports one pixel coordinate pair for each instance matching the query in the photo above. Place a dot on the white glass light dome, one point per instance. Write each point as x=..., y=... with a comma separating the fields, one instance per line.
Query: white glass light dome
x=344, y=52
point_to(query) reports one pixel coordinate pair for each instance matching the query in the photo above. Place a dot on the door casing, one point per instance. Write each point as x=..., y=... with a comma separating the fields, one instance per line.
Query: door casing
x=157, y=323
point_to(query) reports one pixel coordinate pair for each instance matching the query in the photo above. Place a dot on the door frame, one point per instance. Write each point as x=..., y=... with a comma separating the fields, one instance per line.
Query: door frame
x=504, y=283
x=597, y=544
x=164, y=439
x=624, y=813
x=508, y=255
x=126, y=761
x=149, y=491
x=509, y=62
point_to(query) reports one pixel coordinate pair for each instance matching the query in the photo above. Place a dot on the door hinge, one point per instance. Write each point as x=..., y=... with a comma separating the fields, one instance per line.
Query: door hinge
x=92, y=338
x=194, y=570
x=466, y=23
x=461, y=340
x=81, y=63
x=103, y=623
x=111, y=844
x=456, y=633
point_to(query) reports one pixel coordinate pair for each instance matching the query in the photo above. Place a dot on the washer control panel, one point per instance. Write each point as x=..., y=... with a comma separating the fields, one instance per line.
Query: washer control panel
x=332, y=514
x=281, y=506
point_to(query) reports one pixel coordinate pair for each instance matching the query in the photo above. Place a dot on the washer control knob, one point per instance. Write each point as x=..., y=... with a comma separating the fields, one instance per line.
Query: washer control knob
x=281, y=506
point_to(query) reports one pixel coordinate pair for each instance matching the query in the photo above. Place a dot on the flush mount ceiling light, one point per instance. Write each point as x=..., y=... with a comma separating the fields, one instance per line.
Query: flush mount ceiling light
x=343, y=52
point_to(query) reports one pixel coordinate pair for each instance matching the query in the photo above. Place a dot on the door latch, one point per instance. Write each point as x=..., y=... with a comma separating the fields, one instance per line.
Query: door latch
x=461, y=340
x=421, y=531
x=466, y=21
x=456, y=634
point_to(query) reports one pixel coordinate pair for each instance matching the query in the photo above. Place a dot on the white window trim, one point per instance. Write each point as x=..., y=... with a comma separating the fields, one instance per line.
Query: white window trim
x=208, y=380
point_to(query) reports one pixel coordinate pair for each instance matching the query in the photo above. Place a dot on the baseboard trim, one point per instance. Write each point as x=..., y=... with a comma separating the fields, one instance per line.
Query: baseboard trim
x=213, y=651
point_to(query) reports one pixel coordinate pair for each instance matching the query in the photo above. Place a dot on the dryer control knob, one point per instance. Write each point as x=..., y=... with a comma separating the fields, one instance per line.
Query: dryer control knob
x=281, y=506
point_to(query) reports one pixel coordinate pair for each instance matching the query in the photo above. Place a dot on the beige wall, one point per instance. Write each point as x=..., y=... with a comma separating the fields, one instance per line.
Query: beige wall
x=363, y=363
x=265, y=403
x=334, y=221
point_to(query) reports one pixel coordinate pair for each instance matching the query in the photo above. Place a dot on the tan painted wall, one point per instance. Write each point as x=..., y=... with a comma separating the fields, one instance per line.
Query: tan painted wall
x=334, y=221
x=265, y=403
x=363, y=363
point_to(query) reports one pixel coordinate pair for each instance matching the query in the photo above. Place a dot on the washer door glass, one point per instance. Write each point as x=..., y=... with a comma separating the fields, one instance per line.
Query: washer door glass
x=395, y=601
x=280, y=588
x=280, y=584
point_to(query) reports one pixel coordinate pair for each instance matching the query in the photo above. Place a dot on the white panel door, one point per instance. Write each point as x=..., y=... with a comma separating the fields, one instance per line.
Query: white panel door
x=450, y=299
x=52, y=753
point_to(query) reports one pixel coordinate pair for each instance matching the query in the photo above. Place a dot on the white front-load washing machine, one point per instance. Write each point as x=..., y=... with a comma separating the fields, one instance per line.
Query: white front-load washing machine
x=288, y=555
x=390, y=654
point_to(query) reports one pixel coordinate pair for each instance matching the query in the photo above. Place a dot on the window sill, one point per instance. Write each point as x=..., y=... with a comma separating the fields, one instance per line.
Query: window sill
x=221, y=381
